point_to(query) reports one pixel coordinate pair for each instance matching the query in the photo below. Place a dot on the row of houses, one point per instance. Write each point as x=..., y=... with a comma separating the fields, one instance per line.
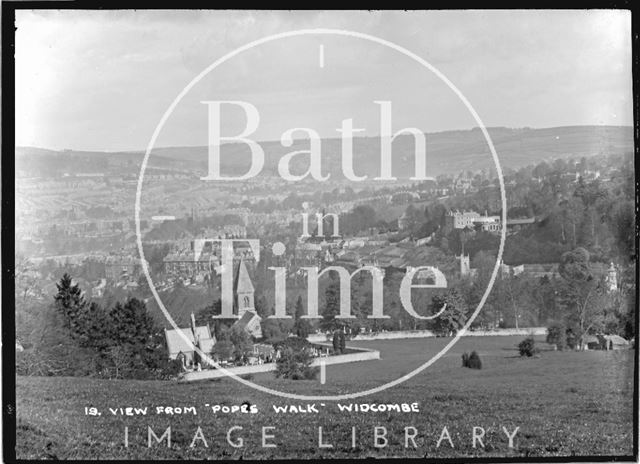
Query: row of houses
x=184, y=263
x=549, y=270
x=473, y=220
x=122, y=268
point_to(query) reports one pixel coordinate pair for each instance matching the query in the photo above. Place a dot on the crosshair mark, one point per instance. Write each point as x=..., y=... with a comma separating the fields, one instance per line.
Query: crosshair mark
x=323, y=371
x=321, y=55
x=163, y=218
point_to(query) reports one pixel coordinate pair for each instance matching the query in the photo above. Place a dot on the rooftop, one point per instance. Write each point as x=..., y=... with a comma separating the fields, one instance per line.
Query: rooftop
x=176, y=342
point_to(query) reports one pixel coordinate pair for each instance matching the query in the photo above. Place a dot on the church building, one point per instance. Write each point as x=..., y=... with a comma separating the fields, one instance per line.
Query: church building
x=244, y=302
x=181, y=342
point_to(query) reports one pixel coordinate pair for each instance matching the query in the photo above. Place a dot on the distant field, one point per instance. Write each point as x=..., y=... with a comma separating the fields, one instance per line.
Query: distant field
x=565, y=403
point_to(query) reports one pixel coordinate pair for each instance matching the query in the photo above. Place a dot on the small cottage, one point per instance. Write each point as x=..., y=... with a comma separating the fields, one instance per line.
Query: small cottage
x=605, y=342
x=181, y=343
x=615, y=342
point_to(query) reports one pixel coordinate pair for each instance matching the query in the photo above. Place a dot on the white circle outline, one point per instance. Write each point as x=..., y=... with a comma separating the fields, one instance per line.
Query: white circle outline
x=404, y=51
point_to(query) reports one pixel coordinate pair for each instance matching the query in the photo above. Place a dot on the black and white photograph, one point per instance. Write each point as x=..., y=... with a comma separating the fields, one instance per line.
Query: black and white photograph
x=318, y=234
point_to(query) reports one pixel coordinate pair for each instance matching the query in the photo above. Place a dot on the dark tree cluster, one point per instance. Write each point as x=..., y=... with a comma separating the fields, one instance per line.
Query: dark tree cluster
x=78, y=337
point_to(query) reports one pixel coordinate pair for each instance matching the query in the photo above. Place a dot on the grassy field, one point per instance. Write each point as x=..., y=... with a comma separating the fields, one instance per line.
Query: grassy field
x=564, y=403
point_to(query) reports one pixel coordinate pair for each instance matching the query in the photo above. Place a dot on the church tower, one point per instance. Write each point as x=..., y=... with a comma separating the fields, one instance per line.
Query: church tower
x=612, y=278
x=243, y=290
x=465, y=266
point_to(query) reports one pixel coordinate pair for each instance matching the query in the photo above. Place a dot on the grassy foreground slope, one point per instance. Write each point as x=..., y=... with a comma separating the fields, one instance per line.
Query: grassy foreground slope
x=564, y=403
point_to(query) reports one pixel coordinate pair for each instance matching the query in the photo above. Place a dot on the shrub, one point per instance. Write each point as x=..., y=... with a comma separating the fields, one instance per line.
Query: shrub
x=472, y=361
x=557, y=335
x=527, y=347
x=295, y=343
x=29, y=362
x=336, y=342
x=171, y=370
x=242, y=343
x=275, y=330
x=302, y=328
x=353, y=330
x=295, y=365
x=572, y=339
x=223, y=350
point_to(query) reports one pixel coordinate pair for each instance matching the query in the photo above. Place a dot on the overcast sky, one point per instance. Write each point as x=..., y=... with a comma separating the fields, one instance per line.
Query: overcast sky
x=101, y=80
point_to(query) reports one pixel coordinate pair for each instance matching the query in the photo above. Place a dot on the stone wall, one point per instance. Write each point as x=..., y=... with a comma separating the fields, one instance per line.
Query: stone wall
x=506, y=332
x=356, y=354
x=316, y=338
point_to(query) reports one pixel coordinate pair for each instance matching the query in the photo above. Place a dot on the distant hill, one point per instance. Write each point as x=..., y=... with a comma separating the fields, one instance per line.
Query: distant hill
x=447, y=152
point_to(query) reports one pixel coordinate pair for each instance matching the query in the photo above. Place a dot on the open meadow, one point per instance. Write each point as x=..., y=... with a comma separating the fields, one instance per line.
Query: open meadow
x=564, y=403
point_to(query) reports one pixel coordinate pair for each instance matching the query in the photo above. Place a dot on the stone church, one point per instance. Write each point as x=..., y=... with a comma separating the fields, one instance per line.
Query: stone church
x=244, y=302
x=202, y=337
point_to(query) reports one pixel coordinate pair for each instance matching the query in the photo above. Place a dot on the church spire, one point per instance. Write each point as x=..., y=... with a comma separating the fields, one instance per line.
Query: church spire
x=243, y=282
x=243, y=290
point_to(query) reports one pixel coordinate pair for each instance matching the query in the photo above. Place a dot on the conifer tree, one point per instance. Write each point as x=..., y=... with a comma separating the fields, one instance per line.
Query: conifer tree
x=301, y=327
x=70, y=302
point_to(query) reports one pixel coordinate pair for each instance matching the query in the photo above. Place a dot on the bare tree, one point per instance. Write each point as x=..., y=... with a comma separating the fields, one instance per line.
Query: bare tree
x=583, y=293
x=120, y=358
x=26, y=278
